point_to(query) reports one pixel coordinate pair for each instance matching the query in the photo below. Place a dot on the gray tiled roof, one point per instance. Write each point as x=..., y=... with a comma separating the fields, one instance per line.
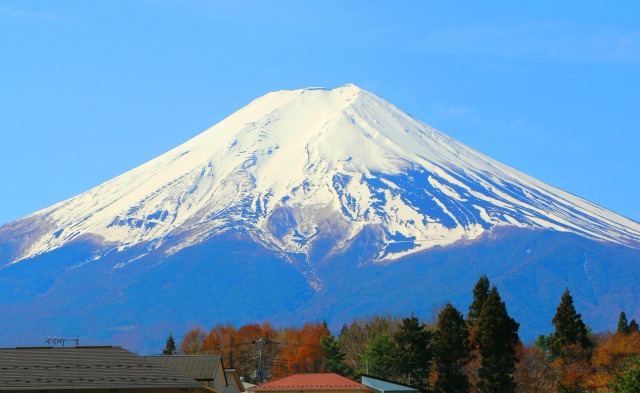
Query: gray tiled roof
x=199, y=367
x=84, y=368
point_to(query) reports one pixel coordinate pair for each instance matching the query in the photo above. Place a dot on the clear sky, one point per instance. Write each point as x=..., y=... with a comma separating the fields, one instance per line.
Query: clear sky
x=90, y=89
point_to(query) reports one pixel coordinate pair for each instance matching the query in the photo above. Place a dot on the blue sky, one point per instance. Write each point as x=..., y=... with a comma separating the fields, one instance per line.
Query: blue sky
x=90, y=89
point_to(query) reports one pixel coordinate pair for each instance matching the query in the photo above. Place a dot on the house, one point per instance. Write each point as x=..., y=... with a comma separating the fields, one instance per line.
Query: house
x=316, y=383
x=235, y=383
x=88, y=369
x=386, y=386
x=206, y=369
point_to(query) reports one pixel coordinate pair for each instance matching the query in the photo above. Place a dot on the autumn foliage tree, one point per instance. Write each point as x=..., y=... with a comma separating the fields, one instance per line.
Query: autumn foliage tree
x=534, y=371
x=221, y=340
x=193, y=341
x=237, y=347
x=260, y=346
x=249, y=350
x=609, y=358
x=303, y=350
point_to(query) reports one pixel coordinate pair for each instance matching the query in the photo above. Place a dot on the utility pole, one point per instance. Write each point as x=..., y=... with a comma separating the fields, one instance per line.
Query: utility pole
x=261, y=371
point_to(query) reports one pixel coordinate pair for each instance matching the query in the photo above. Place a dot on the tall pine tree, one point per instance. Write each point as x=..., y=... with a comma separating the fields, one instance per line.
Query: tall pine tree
x=377, y=359
x=571, y=338
x=334, y=357
x=170, y=346
x=412, y=352
x=570, y=345
x=623, y=325
x=480, y=294
x=451, y=351
x=497, y=337
x=633, y=326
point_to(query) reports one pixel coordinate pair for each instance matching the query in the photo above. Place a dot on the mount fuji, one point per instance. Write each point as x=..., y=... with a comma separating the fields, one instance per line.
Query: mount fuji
x=306, y=205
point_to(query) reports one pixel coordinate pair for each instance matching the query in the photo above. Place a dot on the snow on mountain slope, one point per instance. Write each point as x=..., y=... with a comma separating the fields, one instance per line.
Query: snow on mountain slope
x=296, y=166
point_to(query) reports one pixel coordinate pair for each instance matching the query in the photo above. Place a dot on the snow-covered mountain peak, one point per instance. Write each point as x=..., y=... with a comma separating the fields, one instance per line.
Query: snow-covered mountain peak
x=295, y=166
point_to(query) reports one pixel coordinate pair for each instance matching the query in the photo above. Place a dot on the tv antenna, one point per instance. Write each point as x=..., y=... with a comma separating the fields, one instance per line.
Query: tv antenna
x=61, y=341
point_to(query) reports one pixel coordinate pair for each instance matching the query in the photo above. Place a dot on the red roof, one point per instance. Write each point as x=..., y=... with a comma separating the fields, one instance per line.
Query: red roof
x=311, y=382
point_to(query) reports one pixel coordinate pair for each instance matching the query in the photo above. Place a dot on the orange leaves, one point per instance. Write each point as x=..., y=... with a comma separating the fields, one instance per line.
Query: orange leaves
x=193, y=341
x=220, y=341
x=606, y=362
x=575, y=375
x=615, y=350
x=283, y=352
x=220, y=337
x=302, y=352
x=306, y=354
x=534, y=373
x=611, y=355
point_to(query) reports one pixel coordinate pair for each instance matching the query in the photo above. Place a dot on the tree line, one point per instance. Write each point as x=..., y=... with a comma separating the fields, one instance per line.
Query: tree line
x=258, y=351
x=481, y=353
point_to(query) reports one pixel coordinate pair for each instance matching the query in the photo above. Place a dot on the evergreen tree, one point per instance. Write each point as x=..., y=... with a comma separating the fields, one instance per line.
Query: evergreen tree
x=633, y=326
x=571, y=338
x=497, y=337
x=334, y=357
x=451, y=350
x=542, y=342
x=170, y=346
x=623, y=326
x=412, y=352
x=355, y=338
x=480, y=294
x=377, y=359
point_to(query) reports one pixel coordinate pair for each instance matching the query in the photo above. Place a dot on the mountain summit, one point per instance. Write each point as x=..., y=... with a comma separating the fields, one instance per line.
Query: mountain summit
x=316, y=181
x=296, y=166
